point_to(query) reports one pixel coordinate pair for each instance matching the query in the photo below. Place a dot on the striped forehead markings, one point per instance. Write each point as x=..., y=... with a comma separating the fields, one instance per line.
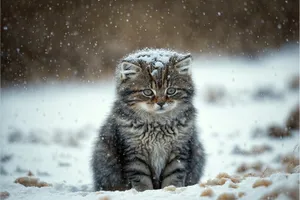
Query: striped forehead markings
x=159, y=76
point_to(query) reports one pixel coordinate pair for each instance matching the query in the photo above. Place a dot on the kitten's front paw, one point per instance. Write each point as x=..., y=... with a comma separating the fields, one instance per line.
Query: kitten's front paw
x=142, y=184
x=176, y=181
x=170, y=188
x=141, y=187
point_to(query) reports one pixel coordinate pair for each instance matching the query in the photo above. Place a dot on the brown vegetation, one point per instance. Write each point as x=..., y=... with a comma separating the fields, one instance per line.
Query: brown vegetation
x=292, y=122
x=277, y=131
x=82, y=40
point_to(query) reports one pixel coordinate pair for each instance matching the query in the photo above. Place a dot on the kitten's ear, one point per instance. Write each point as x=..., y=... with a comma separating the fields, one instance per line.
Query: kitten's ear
x=128, y=70
x=184, y=64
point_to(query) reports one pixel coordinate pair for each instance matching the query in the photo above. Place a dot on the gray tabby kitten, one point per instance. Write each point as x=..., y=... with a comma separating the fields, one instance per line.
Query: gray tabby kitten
x=150, y=140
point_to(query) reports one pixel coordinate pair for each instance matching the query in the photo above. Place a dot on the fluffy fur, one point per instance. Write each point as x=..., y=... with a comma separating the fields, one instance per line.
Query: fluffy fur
x=150, y=140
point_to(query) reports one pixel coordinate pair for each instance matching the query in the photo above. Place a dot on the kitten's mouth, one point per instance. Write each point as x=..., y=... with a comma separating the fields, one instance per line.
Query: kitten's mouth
x=160, y=110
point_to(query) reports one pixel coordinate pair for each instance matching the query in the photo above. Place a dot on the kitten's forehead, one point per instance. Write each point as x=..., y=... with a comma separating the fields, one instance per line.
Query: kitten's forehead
x=155, y=57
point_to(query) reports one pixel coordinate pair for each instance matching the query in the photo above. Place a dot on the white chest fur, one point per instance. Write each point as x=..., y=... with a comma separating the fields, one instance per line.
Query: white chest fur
x=158, y=157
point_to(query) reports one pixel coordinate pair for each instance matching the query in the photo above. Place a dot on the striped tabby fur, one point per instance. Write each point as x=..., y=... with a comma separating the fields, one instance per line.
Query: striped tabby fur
x=150, y=139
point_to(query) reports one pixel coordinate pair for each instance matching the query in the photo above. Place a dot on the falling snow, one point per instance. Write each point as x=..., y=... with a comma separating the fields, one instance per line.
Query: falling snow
x=50, y=130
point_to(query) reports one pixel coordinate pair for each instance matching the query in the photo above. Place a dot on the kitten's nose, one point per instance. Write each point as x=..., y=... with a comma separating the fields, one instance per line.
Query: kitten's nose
x=161, y=103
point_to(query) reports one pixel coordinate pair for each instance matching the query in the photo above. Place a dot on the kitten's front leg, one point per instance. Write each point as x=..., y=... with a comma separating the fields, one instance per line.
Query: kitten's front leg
x=174, y=173
x=139, y=175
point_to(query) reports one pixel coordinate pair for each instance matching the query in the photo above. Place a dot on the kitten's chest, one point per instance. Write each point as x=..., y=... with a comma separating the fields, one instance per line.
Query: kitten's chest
x=157, y=144
x=158, y=155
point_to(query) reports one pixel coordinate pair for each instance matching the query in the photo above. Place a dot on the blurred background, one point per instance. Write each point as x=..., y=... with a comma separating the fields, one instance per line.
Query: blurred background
x=58, y=59
x=84, y=39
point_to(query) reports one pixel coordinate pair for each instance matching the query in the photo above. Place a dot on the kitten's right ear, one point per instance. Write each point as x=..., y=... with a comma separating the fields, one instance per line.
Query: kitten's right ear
x=184, y=64
x=128, y=70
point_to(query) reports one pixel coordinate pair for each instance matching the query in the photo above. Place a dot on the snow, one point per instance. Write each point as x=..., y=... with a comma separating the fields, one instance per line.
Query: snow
x=154, y=72
x=158, y=64
x=50, y=129
x=159, y=56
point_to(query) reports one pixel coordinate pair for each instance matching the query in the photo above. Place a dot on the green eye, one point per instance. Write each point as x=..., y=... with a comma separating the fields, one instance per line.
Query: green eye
x=171, y=91
x=148, y=92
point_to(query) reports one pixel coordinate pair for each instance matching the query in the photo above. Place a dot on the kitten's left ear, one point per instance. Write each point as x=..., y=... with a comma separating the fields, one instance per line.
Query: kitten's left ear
x=128, y=70
x=184, y=64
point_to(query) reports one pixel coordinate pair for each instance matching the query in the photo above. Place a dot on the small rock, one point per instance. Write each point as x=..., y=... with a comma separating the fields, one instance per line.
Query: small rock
x=234, y=179
x=261, y=182
x=227, y=196
x=223, y=175
x=208, y=192
x=216, y=181
x=4, y=195
x=104, y=198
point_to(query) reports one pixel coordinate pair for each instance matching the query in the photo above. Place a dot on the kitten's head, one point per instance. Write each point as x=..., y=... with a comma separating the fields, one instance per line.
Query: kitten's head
x=155, y=81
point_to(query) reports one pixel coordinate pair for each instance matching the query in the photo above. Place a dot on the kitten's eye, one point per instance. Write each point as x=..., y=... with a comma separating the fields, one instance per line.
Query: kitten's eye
x=171, y=91
x=148, y=92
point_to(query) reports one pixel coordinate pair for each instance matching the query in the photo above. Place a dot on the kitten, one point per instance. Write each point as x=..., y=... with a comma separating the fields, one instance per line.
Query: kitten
x=150, y=139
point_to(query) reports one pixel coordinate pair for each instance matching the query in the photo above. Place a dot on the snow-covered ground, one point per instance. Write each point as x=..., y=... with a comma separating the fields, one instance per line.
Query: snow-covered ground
x=50, y=129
